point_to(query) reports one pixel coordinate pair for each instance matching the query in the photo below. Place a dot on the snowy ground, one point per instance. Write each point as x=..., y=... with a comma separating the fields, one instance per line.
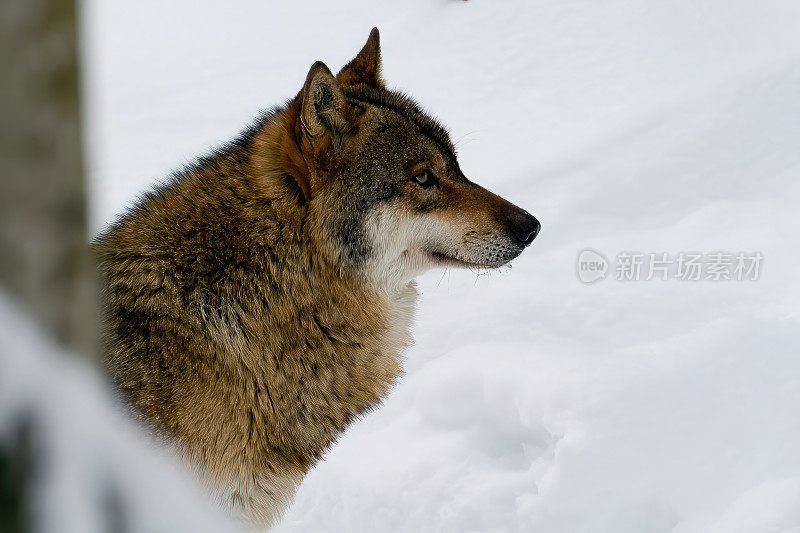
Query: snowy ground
x=534, y=402
x=91, y=469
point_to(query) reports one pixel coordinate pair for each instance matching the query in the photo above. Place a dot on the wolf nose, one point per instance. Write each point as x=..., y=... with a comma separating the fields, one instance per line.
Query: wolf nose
x=526, y=229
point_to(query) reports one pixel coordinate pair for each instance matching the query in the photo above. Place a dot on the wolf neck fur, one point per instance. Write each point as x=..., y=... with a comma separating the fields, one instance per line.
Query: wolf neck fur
x=343, y=347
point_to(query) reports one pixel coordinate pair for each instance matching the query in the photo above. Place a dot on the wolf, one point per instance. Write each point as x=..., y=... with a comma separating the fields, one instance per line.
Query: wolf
x=259, y=301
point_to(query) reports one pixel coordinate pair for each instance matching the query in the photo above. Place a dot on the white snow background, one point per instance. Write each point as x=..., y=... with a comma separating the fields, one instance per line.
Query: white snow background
x=532, y=402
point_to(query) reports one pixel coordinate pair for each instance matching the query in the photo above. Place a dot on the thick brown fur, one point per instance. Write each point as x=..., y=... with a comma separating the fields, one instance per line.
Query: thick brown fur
x=259, y=302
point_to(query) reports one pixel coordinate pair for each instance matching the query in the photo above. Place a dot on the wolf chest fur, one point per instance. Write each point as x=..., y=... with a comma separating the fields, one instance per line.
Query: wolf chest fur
x=260, y=300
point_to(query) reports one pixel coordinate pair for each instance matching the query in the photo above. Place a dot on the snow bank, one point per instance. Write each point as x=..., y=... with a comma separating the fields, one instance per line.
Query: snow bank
x=93, y=470
x=534, y=402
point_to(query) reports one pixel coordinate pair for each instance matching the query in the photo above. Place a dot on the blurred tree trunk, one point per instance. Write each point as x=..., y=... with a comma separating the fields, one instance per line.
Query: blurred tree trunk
x=44, y=260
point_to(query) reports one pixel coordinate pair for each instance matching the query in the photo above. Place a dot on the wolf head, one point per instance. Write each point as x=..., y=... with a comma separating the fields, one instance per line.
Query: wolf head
x=383, y=186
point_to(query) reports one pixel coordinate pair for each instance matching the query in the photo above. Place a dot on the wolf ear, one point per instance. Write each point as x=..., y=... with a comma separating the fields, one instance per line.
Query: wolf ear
x=365, y=68
x=324, y=106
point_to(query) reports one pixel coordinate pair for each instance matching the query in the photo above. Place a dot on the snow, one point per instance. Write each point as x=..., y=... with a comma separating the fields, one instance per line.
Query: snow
x=533, y=402
x=91, y=466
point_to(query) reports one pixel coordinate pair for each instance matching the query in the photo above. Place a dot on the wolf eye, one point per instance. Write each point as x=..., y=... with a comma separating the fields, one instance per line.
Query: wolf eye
x=425, y=178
